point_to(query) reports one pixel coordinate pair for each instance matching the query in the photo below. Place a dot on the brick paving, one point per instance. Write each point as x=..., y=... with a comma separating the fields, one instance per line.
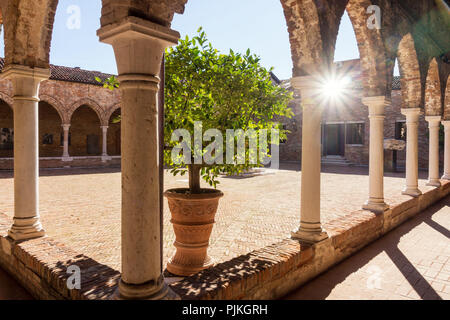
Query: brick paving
x=81, y=207
x=410, y=262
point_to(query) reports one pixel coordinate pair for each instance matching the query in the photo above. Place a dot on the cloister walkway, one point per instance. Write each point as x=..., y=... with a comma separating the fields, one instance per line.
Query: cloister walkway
x=410, y=262
x=81, y=207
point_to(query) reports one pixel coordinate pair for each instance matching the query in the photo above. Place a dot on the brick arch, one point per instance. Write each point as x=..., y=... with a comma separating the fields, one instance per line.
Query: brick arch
x=110, y=112
x=57, y=105
x=376, y=63
x=433, y=93
x=9, y=100
x=313, y=27
x=409, y=72
x=28, y=27
x=90, y=103
x=447, y=100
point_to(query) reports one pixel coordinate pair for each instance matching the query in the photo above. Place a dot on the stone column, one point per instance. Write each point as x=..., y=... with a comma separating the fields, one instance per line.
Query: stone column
x=310, y=229
x=433, y=158
x=376, y=153
x=66, y=156
x=105, y=156
x=25, y=83
x=139, y=46
x=412, y=152
x=446, y=175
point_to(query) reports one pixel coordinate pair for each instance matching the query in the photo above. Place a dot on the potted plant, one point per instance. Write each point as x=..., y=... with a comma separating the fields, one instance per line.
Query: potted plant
x=206, y=94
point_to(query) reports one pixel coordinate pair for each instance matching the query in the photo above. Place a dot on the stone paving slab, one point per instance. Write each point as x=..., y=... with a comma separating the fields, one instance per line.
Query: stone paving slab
x=409, y=263
x=81, y=207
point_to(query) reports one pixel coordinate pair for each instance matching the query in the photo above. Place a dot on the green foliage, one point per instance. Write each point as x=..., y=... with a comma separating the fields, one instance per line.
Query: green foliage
x=110, y=83
x=223, y=91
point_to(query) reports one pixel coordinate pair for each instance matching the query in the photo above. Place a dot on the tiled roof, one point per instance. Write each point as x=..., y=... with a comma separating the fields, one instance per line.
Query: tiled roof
x=72, y=74
x=85, y=76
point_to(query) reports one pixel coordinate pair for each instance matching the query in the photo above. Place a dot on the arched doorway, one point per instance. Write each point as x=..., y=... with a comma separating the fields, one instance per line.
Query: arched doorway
x=85, y=133
x=50, y=138
x=114, y=134
x=6, y=130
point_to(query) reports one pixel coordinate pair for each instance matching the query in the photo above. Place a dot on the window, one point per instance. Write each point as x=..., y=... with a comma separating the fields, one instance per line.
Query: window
x=400, y=130
x=6, y=138
x=355, y=133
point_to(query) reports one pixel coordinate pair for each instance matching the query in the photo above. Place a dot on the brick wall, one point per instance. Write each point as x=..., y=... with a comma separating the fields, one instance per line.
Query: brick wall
x=353, y=110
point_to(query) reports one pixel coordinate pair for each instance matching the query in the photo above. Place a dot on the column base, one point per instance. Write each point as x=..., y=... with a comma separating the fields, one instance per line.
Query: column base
x=146, y=291
x=106, y=158
x=445, y=177
x=67, y=159
x=375, y=206
x=434, y=183
x=309, y=236
x=26, y=229
x=413, y=192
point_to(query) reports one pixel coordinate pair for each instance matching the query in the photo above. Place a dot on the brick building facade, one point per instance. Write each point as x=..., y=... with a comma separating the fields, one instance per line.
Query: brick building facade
x=345, y=126
x=74, y=99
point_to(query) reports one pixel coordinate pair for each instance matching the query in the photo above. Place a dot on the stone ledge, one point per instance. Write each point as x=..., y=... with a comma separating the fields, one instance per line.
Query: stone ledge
x=40, y=265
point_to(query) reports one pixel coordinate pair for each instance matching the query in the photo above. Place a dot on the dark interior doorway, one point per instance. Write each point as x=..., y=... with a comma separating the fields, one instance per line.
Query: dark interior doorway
x=334, y=139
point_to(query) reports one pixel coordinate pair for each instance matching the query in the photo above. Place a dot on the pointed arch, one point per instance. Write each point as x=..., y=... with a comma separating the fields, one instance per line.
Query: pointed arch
x=377, y=64
x=8, y=99
x=110, y=111
x=312, y=26
x=90, y=103
x=409, y=73
x=59, y=107
x=28, y=27
x=447, y=100
x=433, y=93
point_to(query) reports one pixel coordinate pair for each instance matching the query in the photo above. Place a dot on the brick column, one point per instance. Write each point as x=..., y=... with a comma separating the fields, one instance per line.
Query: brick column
x=25, y=83
x=376, y=153
x=433, y=158
x=66, y=156
x=310, y=229
x=412, y=152
x=446, y=175
x=139, y=46
x=105, y=156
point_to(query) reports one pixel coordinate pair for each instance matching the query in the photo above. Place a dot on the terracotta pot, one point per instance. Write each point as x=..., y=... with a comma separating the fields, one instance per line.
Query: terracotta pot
x=193, y=220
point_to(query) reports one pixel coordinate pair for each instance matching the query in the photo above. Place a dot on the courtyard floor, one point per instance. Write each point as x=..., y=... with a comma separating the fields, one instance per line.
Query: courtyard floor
x=410, y=262
x=81, y=207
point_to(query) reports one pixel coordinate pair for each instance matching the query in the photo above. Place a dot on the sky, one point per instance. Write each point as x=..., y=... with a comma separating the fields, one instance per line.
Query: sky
x=236, y=24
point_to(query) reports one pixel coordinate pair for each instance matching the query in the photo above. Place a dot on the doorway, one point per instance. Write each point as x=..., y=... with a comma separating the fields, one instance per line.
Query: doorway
x=334, y=139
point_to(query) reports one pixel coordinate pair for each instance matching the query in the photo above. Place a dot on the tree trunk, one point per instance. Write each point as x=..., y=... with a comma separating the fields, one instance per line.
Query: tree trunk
x=194, y=178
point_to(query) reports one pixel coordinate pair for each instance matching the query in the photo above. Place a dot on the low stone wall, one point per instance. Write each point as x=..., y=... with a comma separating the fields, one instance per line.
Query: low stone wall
x=77, y=162
x=40, y=265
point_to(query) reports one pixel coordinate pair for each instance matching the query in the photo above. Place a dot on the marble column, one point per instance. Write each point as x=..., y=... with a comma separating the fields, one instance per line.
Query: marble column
x=433, y=158
x=25, y=83
x=139, y=46
x=376, y=106
x=412, y=152
x=446, y=125
x=105, y=156
x=66, y=156
x=310, y=229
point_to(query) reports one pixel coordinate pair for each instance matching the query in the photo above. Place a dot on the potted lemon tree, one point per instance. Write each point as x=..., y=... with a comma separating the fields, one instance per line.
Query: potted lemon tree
x=219, y=108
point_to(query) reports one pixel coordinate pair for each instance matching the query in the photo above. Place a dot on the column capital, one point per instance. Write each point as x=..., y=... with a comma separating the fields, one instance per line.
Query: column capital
x=412, y=112
x=139, y=47
x=104, y=127
x=433, y=121
x=376, y=106
x=446, y=124
x=25, y=80
x=65, y=126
